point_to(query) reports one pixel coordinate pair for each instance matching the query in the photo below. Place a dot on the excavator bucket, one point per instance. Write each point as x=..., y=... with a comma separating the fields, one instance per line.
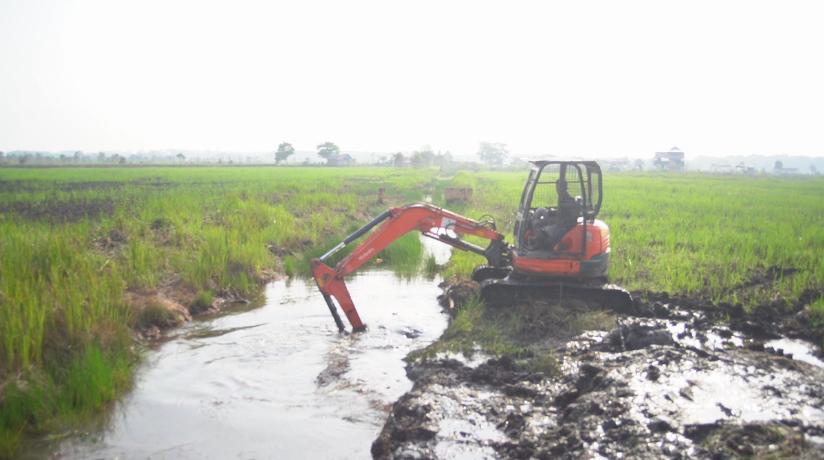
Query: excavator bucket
x=333, y=287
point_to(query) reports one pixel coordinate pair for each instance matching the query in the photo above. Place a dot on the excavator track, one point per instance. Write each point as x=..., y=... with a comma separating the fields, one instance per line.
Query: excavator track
x=509, y=290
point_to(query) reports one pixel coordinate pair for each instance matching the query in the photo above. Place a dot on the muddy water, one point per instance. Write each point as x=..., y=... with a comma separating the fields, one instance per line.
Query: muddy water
x=276, y=381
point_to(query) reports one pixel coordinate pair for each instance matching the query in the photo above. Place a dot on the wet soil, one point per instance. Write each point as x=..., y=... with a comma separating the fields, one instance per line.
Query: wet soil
x=770, y=319
x=670, y=380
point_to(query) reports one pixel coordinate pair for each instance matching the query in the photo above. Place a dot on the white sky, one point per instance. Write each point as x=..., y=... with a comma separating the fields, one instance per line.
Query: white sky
x=605, y=78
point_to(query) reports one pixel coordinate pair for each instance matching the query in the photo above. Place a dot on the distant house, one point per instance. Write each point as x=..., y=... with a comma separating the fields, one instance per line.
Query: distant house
x=343, y=159
x=780, y=169
x=669, y=161
x=743, y=168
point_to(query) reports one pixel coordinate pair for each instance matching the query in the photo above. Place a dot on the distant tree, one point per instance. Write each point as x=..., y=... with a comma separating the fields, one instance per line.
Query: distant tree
x=76, y=156
x=62, y=158
x=398, y=159
x=180, y=157
x=285, y=150
x=2, y=157
x=493, y=153
x=23, y=159
x=813, y=169
x=443, y=159
x=328, y=150
x=779, y=165
x=101, y=157
x=639, y=165
x=422, y=158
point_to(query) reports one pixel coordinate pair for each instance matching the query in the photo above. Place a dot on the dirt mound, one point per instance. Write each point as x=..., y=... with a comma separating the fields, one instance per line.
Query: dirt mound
x=456, y=293
x=666, y=382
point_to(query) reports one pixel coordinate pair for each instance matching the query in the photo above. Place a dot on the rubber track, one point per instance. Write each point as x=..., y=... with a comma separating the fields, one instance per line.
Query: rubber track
x=506, y=292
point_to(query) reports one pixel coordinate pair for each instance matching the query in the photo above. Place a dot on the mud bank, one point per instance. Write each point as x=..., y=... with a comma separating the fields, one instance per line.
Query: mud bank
x=667, y=381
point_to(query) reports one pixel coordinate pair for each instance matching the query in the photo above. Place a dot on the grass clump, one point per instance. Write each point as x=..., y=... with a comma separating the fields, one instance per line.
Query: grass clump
x=56, y=396
x=469, y=329
x=524, y=331
x=202, y=302
x=431, y=267
x=155, y=314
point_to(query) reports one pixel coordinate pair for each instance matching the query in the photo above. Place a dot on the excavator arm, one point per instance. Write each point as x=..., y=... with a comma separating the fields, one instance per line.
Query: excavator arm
x=431, y=221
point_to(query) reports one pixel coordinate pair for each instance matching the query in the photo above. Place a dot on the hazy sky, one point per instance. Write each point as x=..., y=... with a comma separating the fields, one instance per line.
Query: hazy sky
x=594, y=78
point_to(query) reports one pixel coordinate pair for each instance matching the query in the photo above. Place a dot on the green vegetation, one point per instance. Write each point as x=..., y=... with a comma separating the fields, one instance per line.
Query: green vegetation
x=524, y=331
x=91, y=254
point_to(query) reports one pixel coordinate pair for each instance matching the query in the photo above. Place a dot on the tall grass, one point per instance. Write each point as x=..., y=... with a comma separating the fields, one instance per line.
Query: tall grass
x=76, y=240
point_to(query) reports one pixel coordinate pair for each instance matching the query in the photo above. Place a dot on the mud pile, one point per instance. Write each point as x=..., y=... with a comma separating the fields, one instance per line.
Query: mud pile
x=667, y=382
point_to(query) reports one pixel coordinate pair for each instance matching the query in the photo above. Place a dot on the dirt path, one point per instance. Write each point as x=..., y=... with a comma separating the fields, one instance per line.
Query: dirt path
x=667, y=382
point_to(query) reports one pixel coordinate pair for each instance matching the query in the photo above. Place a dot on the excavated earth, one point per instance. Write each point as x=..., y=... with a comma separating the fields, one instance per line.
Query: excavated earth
x=673, y=379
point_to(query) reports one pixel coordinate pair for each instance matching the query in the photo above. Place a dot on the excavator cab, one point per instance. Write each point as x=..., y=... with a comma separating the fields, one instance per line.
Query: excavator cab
x=556, y=230
x=560, y=247
x=556, y=194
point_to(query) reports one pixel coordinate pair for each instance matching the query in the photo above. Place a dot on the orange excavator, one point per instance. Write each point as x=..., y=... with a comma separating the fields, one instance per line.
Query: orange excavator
x=560, y=248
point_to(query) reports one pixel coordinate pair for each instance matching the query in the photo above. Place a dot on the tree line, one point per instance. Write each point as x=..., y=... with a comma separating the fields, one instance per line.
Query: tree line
x=493, y=154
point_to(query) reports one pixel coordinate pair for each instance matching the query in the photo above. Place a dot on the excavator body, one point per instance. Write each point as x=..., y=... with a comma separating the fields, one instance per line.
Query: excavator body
x=560, y=249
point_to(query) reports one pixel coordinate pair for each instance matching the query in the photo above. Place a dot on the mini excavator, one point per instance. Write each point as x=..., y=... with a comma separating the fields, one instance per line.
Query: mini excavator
x=560, y=248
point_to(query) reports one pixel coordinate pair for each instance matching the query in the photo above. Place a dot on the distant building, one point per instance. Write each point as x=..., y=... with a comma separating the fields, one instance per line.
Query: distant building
x=341, y=160
x=669, y=161
x=780, y=169
x=743, y=168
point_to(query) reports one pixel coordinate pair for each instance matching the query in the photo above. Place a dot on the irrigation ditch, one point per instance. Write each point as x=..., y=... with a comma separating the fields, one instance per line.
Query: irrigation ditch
x=269, y=379
x=666, y=378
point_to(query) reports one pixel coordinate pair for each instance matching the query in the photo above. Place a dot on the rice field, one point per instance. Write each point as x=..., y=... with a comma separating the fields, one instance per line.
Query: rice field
x=86, y=254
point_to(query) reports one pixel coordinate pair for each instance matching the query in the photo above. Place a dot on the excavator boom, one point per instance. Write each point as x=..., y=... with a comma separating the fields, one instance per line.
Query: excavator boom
x=432, y=221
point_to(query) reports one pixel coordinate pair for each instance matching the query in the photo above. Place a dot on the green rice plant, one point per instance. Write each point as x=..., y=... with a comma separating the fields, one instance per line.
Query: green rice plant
x=431, y=267
x=202, y=302
x=155, y=315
